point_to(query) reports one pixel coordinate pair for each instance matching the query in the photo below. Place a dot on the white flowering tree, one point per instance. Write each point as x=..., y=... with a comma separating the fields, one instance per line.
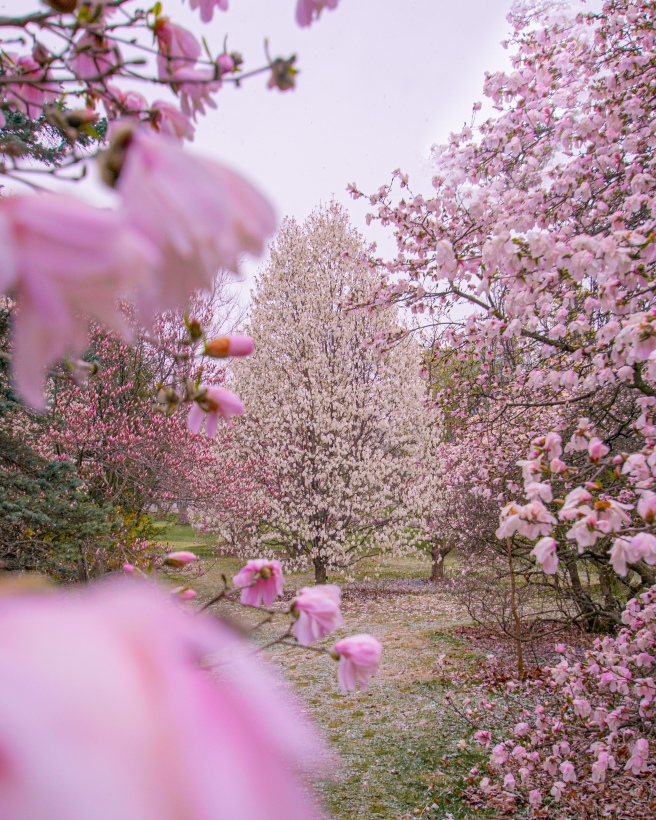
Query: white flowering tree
x=330, y=422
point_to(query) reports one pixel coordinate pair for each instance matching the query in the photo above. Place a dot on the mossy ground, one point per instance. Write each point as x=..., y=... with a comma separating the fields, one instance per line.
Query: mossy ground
x=397, y=752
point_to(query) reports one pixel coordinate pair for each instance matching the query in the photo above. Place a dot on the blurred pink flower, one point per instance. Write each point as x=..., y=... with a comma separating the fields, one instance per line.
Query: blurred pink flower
x=29, y=98
x=64, y=262
x=318, y=612
x=94, y=60
x=184, y=593
x=207, y=8
x=167, y=119
x=234, y=345
x=106, y=713
x=359, y=658
x=201, y=215
x=195, y=86
x=217, y=402
x=178, y=48
x=180, y=559
x=261, y=581
x=309, y=10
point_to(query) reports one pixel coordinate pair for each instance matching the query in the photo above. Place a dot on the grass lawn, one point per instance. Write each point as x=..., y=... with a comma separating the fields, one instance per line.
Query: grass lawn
x=397, y=744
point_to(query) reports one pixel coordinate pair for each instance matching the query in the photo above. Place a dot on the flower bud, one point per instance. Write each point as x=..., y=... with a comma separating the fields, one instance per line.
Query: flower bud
x=193, y=328
x=224, y=346
x=179, y=559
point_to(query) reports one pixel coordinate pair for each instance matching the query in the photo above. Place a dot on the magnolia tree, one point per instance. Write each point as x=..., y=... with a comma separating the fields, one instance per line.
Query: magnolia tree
x=123, y=668
x=535, y=257
x=331, y=422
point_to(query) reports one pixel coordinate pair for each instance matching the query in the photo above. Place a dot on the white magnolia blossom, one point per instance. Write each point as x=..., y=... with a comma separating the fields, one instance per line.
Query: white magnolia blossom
x=329, y=421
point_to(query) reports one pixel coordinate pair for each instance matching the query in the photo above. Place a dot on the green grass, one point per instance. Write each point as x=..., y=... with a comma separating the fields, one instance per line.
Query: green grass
x=183, y=536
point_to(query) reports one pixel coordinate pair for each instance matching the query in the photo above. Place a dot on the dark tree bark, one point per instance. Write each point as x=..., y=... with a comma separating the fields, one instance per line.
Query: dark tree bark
x=183, y=514
x=320, y=572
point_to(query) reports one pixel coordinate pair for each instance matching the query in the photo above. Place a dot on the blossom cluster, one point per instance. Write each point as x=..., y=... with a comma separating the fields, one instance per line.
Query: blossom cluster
x=580, y=724
x=316, y=613
x=178, y=219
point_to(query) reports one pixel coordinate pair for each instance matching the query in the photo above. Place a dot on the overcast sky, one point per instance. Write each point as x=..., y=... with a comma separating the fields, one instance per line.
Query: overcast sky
x=380, y=82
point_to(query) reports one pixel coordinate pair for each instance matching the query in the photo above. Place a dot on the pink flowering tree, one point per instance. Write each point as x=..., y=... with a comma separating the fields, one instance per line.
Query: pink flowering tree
x=581, y=730
x=534, y=258
x=334, y=426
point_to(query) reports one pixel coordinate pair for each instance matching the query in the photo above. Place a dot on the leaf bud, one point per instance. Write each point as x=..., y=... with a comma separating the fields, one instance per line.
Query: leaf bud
x=194, y=328
x=62, y=6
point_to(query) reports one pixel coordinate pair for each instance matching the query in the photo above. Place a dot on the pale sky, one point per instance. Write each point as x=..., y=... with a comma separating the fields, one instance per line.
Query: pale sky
x=380, y=82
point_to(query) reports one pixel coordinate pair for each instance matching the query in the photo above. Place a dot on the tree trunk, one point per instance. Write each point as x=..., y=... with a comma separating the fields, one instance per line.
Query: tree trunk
x=438, y=554
x=320, y=573
x=183, y=514
x=515, y=613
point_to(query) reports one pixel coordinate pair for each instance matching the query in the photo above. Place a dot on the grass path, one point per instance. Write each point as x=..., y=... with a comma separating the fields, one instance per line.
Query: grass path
x=397, y=744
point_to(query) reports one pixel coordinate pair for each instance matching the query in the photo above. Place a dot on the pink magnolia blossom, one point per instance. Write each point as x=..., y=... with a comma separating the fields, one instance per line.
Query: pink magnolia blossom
x=601, y=766
x=167, y=119
x=521, y=729
x=184, y=593
x=623, y=552
x=178, y=48
x=107, y=713
x=94, y=60
x=318, y=612
x=597, y=449
x=359, y=658
x=261, y=581
x=557, y=790
x=647, y=506
x=483, y=737
x=64, y=262
x=553, y=446
x=31, y=97
x=645, y=545
x=199, y=214
x=539, y=489
x=207, y=8
x=309, y=10
x=568, y=772
x=557, y=466
x=535, y=797
x=215, y=403
x=637, y=763
x=544, y=553
x=499, y=755
x=234, y=345
x=196, y=87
